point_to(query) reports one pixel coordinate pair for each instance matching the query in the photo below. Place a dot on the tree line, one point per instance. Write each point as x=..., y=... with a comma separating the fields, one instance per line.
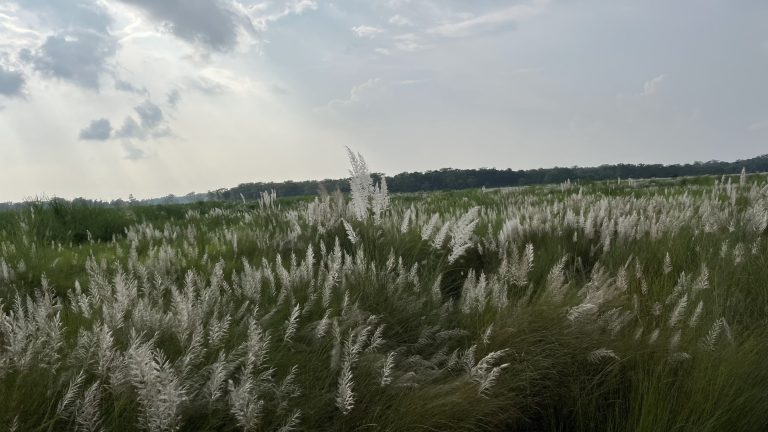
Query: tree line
x=452, y=179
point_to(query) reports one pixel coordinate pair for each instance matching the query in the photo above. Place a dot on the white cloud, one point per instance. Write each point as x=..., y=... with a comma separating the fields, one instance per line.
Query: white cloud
x=490, y=21
x=397, y=3
x=365, y=31
x=359, y=93
x=409, y=42
x=15, y=35
x=265, y=13
x=653, y=85
x=409, y=82
x=213, y=80
x=401, y=21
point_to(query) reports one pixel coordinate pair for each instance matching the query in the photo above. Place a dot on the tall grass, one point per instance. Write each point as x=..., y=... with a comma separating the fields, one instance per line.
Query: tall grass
x=621, y=306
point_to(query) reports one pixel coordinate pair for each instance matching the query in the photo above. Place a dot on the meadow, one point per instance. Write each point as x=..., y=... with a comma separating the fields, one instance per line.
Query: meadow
x=623, y=305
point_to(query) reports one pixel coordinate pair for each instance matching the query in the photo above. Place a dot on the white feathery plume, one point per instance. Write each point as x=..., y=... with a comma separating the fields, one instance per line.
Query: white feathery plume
x=406, y=221
x=667, y=267
x=713, y=336
x=490, y=378
x=360, y=183
x=219, y=330
x=69, y=396
x=377, y=340
x=345, y=397
x=654, y=335
x=437, y=294
x=351, y=234
x=246, y=408
x=528, y=261
x=461, y=233
x=656, y=309
x=292, y=422
x=556, y=284
x=694, y=320
x=219, y=370
x=679, y=356
x=674, y=341
x=290, y=328
x=426, y=231
x=487, y=334
x=439, y=239
x=602, y=353
x=679, y=311
x=702, y=282
x=484, y=372
x=582, y=311
x=322, y=326
x=160, y=392
x=88, y=416
x=380, y=200
x=386, y=371
x=288, y=388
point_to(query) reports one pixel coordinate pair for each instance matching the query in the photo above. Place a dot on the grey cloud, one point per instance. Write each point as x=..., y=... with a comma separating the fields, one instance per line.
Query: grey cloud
x=131, y=129
x=98, y=130
x=173, y=97
x=81, y=43
x=130, y=88
x=150, y=114
x=162, y=132
x=150, y=123
x=83, y=14
x=132, y=152
x=77, y=56
x=211, y=23
x=11, y=82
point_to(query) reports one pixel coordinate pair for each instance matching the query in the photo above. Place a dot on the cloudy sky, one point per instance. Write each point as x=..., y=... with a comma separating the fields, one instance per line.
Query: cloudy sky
x=105, y=98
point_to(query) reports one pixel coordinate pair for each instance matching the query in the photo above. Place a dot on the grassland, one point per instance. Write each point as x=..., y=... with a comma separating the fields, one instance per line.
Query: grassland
x=618, y=306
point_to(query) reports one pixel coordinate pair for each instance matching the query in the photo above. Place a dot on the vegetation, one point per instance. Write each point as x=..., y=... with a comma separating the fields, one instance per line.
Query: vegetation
x=457, y=179
x=451, y=179
x=620, y=306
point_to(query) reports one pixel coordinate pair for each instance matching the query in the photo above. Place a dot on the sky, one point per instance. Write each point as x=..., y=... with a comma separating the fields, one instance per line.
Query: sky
x=106, y=98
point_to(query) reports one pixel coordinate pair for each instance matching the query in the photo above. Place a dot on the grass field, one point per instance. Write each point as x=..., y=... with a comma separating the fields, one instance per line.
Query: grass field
x=619, y=306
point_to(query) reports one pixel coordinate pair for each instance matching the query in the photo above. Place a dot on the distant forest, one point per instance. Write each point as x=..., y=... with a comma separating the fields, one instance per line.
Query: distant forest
x=453, y=179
